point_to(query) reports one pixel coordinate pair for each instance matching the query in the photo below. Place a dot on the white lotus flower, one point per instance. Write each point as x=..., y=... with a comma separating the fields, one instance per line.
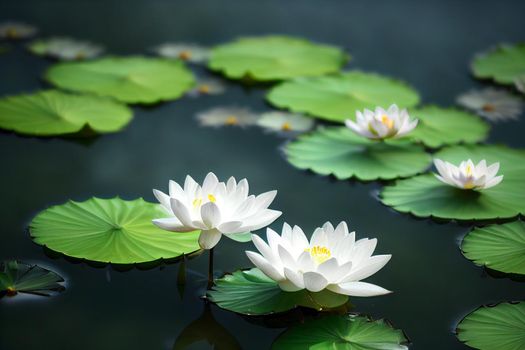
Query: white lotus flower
x=216, y=208
x=194, y=53
x=492, y=104
x=67, y=49
x=283, y=122
x=208, y=86
x=468, y=176
x=16, y=30
x=227, y=116
x=381, y=124
x=332, y=260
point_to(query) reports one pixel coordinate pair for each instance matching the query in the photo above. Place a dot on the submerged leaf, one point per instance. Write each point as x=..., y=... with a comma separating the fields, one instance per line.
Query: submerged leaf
x=17, y=277
x=110, y=231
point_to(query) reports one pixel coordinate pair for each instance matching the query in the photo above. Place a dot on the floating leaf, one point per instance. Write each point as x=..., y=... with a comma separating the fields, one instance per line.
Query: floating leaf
x=426, y=196
x=504, y=64
x=17, y=277
x=53, y=112
x=347, y=332
x=446, y=126
x=110, y=231
x=275, y=58
x=500, y=327
x=338, y=151
x=65, y=48
x=498, y=247
x=128, y=79
x=253, y=293
x=337, y=98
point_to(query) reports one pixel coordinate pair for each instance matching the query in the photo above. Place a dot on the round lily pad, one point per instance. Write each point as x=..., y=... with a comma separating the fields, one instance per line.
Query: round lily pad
x=338, y=97
x=17, y=277
x=500, y=327
x=253, y=293
x=498, y=247
x=128, y=79
x=348, y=332
x=275, y=58
x=504, y=64
x=426, y=196
x=446, y=126
x=339, y=152
x=110, y=231
x=53, y=112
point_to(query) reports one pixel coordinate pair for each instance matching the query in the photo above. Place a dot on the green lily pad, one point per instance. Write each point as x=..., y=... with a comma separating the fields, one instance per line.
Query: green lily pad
x=110, y=231
x=53, y=112
x=340, y=152
x=337, y=98
x=346, y=332
x=128, y=79
x=504, y=64
x=275, y=58
x=17, y=277
x=253, y=293
x=498, y=247
x=500, y=327
x=446, y=126
x=426, y=196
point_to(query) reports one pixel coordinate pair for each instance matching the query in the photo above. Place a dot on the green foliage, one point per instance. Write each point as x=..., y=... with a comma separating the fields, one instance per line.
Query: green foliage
x=275, y=58
x=110, y=231
x=17, y=277
x=504, y=64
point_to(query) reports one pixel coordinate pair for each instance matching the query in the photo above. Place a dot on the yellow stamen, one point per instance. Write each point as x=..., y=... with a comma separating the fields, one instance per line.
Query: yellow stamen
x=387, y=121
x=468, y=185
x=80, y=56
x=212, y=198
x=319, y=253
x=197, y=202
x=286, y=126
x=488, y=107
x=12, y=33
x=204, y=89
x=185, y=55
x=231, y=120
x=469, y=170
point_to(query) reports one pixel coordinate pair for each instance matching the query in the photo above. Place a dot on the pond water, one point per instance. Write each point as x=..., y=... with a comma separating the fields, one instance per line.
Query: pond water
x=427, y=45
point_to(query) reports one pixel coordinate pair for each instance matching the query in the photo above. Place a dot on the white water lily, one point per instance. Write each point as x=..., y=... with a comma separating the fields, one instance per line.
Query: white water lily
x=332, y=260
x=468, y=176
x=227, y=116
x=283, y=122
x=194, y=53
x=215, y=208
x=208, y=86
x=492, y=104
x=381, y=124
x=16, y=30
x=66, y=48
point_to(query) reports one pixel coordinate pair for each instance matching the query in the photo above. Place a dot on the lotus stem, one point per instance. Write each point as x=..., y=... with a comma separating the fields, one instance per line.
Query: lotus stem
x=210, y=268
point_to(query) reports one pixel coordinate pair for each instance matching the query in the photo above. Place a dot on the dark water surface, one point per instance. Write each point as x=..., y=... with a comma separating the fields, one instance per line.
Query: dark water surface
x=427, y=44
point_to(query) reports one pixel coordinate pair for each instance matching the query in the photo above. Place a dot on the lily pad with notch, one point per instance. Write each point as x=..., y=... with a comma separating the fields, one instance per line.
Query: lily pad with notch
x=17, y=277
x=426, y=196
x=345, y=332
x=500, y=326
x=52, y=112
x=340, y=152
x=337, y=97
x=270, y=58
x=251, y=292
x=128, y=79
x=114, y=231
x=497, y=247
x=438, y=127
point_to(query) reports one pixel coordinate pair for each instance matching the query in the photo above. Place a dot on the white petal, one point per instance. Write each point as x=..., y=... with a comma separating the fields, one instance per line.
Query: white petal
x=289, y=286
x=358, y=289
x=231, y=185
x=264, y=200
x=263, y=265
x=286, y=233
x=294, y=277
x=230, y=227
x=163, y=198
x=176, y=191
x=209, y=239
x=286, y=258
x=319, y=238
x=492, y=170
x=305, y=262
x=210, y=214
x=314, y=281
x=190, y=186
x=494, y=182
x=261, y=219
x=329, y=269
x=209, y=183
x=299, y=240
x=171, y=224
x=181, y=212
x=368, y=268
x=263, y=248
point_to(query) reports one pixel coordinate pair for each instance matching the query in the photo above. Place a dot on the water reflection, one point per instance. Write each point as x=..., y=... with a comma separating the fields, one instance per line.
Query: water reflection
x=206, y=329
